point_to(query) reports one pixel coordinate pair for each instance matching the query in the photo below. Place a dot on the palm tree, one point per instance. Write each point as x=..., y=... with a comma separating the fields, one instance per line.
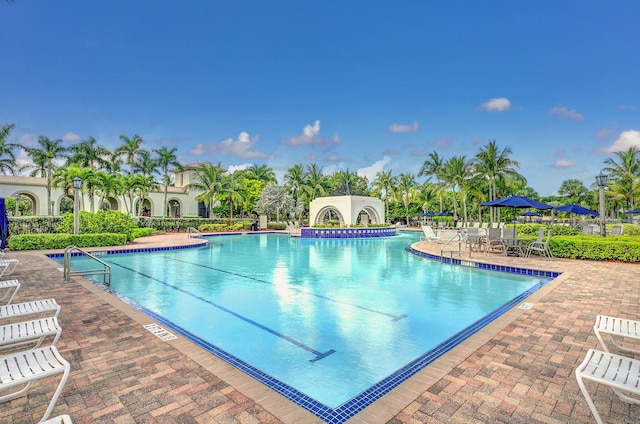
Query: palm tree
x=207, y=179
x=109, y=185
x=231, y=191
x=317, y=181
x=573, y=189
x=44, y=161
x=296, y=181
x=131, y=150
x=7, y=157
x=262, y=173
x=457, y=171
x=625, y=171
x=406, y=187
x=89, y=155
x=385, y=183
x=434, y=166
x=494, y=164
x=167, y=158
x=63, y=178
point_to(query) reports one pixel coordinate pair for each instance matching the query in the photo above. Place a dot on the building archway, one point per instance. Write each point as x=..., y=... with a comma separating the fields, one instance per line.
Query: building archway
x=351, y=210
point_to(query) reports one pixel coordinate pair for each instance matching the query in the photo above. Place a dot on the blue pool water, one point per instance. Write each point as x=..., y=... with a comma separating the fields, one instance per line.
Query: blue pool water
x=328, y=319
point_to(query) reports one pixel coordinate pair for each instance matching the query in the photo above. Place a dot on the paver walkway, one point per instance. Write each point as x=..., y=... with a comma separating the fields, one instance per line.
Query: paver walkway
x=519, y=369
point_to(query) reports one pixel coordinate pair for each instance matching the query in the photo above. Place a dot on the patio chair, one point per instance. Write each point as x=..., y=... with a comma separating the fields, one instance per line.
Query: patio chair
x=619, y=327
x=23, y=333
x=429, y=235
x=24, y=368
x=616, y=230
x=474, y=239
x=7, y=266
x=11, y=287
x=618, y=372
x=539, y=246
x=494, y=241
x=41, y=307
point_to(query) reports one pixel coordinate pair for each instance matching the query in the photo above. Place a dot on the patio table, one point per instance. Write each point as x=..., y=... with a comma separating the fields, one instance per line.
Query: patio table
x=514, y=245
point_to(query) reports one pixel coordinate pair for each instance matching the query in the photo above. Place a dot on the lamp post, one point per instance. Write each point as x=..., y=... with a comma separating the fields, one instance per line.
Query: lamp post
x=601, y=180
x=77, y=183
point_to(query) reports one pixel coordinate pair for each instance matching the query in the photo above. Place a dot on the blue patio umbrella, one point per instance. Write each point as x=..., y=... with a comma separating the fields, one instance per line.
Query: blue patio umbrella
x=516, y=202
x=4, y=223
x=427, y=214
x=577, y=209
x=633, y=211
x=529, y=213
x=443, y=214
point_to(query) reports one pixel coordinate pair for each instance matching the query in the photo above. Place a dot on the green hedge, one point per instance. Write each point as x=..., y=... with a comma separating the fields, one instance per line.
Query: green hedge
x=61, y=241
x=213, y=228
x=593, y=247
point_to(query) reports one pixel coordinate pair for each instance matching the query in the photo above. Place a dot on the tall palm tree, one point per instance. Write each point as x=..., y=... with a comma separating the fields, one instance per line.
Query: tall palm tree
x=626, y=171
x=494, y=164
x=434, y=167
x=131, y=150
x=317, y=181
x=167, y=158
x=457, y=171
x=262, y=173
x=296, y=181
x=88, y=154
x=7, y=157
x=383, y=185
x=207, y=180
x=44, y=161
x=407, y=189
x=231, y=191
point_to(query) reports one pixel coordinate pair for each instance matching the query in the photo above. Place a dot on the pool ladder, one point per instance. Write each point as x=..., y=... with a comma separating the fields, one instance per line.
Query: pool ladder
x=105, y=271
x=456, y=242
x=193, y=232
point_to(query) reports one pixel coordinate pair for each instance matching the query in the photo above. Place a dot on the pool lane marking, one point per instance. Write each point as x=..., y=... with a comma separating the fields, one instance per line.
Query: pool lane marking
x=319, y=355
x=394, y=318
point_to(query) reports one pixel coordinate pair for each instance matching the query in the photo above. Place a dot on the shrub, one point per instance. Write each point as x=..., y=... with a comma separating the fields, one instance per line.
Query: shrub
x=619, y=248
x=100, y=222
x=61, y=241
x=141, y=232
x=276, y=225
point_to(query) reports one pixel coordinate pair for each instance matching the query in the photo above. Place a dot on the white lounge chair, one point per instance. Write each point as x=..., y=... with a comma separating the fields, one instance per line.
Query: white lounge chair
x=11, y=288
x=429, y=235
x=618, y=372
x=23, y=368
x=60, y=419
x=616, y=230
x=30, y=308
x=619, y=327
x=7, y=266
x=26, y=332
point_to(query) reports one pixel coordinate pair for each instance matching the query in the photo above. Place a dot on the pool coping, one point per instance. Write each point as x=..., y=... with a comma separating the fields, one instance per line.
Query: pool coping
x=383, y=407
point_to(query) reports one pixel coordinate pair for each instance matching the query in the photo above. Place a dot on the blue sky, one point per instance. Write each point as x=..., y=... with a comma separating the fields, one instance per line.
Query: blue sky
x=358, y=85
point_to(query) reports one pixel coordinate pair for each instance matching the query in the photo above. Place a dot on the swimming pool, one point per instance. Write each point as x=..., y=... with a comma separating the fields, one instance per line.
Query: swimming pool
x=331, y=324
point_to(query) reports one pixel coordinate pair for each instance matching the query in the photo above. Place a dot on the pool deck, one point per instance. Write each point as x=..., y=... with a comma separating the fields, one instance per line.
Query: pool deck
x=518, y=369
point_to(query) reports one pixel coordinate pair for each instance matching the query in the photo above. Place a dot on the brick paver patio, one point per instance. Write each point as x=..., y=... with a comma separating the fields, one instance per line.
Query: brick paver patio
x=518, y=369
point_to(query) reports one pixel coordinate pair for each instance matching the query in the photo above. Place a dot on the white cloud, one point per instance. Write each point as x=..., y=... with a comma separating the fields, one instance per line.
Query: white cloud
x=370, y=171
x=563, y=163
x=499, y=104
x=397, y=128
x=564, y=113
x=626, y=139
x=311, y=136
x=72, y=137
x=233, y=168
x=242, y=147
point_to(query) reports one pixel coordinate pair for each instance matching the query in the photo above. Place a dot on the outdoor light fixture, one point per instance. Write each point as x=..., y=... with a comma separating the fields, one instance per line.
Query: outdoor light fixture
x=77, y=183
x=601, y=180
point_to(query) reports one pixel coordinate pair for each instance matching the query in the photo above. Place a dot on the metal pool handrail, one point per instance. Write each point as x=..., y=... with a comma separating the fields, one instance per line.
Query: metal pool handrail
x=193, y=230
x=105, y=271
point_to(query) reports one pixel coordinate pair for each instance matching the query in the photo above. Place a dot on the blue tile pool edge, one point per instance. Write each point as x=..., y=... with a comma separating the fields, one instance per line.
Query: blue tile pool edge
x=353, y=406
